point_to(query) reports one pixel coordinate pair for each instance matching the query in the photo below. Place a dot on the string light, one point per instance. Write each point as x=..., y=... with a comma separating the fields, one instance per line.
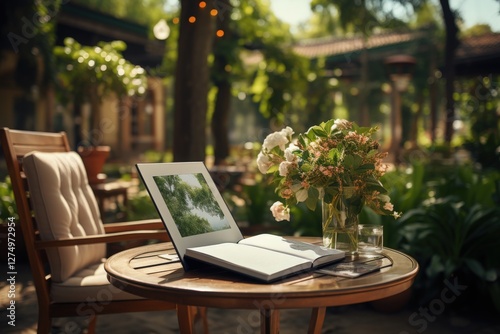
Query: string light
x=202, y=4
x=220, y=33
x=214, y=12
x=192, y=19
x=175, y=20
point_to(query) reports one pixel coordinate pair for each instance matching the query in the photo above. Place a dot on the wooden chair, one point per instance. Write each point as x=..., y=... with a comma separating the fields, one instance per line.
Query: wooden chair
x=67, y=272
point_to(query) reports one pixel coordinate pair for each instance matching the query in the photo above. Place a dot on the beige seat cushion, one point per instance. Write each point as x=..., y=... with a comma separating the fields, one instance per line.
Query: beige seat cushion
x=90, y=285
x=64, y=207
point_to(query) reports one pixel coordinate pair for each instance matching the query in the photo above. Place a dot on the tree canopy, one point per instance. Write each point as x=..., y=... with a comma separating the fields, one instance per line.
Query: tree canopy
x=191, y=204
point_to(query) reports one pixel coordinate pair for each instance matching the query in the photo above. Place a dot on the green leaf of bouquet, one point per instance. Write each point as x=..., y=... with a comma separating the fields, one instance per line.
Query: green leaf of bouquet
x=334, y=155
x=306, y=167
x=318, y=131
x=361, y=129
x=328, y=125
x=330, y=194
x=328, y=198
x=272, y=169
x=305, y=155
x=374, y=185
x=311, y=202
x=349, y=192
x=312, y=192
x=302, y=140
x=365, y=167
x=310, y=135
x=352, y=161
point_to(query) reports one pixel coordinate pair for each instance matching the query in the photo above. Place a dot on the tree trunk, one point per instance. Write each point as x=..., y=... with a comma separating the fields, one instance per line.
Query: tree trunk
x=433, y=93
x=413, y=136
x=449, y=69
x=220, y=122
x=364, y=114
x=192, y=81
x=221, y=78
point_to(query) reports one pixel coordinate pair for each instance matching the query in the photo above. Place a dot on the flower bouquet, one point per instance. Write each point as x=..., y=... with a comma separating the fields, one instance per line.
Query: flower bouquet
x=336, y=162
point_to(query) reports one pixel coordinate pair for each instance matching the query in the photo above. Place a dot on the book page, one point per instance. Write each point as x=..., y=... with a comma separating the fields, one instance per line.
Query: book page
x=257, y=262
x=301, y=249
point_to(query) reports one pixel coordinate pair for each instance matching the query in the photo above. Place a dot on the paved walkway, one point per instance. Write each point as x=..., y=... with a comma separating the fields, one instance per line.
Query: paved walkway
x=360, y=318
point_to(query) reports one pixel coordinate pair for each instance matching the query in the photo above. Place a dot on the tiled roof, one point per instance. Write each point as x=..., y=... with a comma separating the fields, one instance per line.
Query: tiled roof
x=479, y=46
x=330, y=46
x=475, y=55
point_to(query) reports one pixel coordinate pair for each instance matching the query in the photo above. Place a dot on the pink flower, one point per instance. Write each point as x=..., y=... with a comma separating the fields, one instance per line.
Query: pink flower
x=280, y=211
x=388, y=206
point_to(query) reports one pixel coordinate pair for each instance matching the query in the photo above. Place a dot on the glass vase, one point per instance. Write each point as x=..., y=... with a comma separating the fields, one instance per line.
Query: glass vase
x=340, y=227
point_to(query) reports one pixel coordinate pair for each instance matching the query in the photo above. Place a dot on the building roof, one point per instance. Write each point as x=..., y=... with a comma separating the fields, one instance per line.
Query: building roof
x=479, y=55
x=332, y=46
x=89, y=27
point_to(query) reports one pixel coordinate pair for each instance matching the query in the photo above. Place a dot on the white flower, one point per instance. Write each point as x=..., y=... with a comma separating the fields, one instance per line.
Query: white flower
x=289, y=156
x=263, y=163
x=275, y=139
x=340, y=124
x=280, y=211
x=287, y=132
x=283, y=169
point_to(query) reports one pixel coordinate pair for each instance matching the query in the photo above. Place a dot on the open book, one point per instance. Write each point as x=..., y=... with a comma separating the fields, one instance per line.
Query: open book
x=266, y=257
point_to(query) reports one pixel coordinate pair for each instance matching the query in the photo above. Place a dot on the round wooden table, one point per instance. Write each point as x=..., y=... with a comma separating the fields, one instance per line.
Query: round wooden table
x=143, y=272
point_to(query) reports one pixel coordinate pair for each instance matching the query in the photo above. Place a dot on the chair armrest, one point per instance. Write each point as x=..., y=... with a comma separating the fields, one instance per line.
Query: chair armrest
x=147, y=224
x=104, y=238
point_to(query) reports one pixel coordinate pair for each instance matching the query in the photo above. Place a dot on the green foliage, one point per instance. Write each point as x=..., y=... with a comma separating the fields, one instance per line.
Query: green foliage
x=273, y=81
x=258, y=199
x=451, y=239
x=141, y=207
x=479, y=102
x=365, y=16
x=88, y=73
x=144, y=12
x=450, y=223
x=7, y=203
x=102, y=69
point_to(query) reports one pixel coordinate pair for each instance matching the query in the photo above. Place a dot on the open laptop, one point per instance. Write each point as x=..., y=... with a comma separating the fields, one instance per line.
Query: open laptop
x=189, y=204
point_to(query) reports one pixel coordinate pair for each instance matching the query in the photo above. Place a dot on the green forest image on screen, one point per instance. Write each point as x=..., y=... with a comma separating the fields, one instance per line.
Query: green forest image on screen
x=191, y=204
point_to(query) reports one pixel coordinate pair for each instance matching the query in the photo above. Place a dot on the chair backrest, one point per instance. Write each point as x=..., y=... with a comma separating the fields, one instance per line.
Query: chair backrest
x=65, y=207
x=16, y=145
